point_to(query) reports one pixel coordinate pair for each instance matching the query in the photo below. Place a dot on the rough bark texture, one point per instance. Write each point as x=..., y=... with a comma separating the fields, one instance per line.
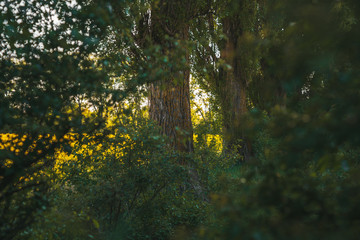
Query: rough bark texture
x=170, y=108
x=234, y=90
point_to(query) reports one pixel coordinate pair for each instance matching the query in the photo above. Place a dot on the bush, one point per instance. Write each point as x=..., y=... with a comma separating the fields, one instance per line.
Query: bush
x=124, y=183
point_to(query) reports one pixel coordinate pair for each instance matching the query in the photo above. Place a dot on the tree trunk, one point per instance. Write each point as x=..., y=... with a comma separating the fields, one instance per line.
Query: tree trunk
x=169, y=98
x=170, y=108
x=233, y=91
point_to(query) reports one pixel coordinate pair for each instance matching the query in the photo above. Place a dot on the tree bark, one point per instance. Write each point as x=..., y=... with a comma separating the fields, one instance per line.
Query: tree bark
x=233, y=85
x=169, y=106
x=169, y=98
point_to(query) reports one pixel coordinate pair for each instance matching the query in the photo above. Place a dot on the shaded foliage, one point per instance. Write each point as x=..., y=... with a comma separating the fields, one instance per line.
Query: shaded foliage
x=127, y=186
x=304, y=182
x=80, y=159
x=50, y=77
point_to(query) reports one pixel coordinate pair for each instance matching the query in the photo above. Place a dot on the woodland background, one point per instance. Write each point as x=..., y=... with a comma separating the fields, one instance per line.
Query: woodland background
x=179, y=119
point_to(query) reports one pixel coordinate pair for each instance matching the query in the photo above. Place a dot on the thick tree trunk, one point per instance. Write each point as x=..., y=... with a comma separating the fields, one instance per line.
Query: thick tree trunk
x=233, y=92
x=169, y=98
x=170, y=108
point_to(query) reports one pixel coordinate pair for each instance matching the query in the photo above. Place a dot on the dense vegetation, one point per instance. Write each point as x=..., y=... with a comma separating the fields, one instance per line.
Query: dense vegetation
x=179, y=119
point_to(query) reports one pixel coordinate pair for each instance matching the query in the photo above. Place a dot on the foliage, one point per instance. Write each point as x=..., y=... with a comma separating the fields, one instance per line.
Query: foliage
x=79, y=158
x=303, y=183
x=128, y=185
x=50, y=75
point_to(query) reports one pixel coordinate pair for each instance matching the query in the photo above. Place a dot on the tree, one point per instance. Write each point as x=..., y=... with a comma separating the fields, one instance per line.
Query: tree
x=230, y=27
x=167, y=31
x=169, y=98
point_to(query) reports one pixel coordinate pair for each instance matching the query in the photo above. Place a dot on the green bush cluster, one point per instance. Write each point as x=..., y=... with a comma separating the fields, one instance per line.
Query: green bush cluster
x=134, y=191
